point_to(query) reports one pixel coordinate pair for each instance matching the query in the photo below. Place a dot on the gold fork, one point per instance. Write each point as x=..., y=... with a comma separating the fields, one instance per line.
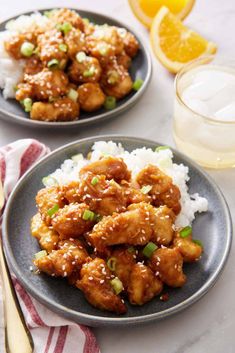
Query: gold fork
x=18, y=339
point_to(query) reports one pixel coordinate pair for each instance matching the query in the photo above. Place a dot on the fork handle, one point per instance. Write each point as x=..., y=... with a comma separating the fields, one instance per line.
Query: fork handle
x=17, y=336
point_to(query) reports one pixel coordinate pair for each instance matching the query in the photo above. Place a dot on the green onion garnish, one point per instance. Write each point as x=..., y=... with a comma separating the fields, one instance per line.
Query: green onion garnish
x=185, y=232
x=77, y=157
x=94, y=181
x=73, y=94
x=63, y=47
x=137, y=84
x=88, y=215
x=49, y=13
x=27, y=103
x=27, y=49
x=131, y=249
x=90, y=72
x=64, y=27
x=111, y=263
x=110, y=103
x=198, y=242
x=102, y=48
x=117, y=285
x=146, y=188
x=53, y=63
x=49, y=181
x=113, y=77
x=161, y=148
x=40, y=254
x=86, y=20
x=81, y=56
x=149, y=249
x=53, y=210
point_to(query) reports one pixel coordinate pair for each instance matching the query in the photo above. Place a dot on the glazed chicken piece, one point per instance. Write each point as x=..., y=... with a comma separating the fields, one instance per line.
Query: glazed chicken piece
x=164, y=223
x=188, y=249
x=47, y=237
x=75, y=41
x=123, y=261
x=115, y=80
x=90, y=96
x=104, y=42
x=143, y=285
x=163, y=191
x=49, y=46
x=87, y=69
x=69, y=257
x=61, y=16
x=33, y=65
x=47, y=198
x=70, y=221
x=13, y=45
x=167, y=264
x=95, y=284
x=131, y=45
x=62, y=109
x=112, y=167
x=47, y=84
x=24, y=90
x=105, y=197
x=124, y=60
x=133, y=193
x=133, y=227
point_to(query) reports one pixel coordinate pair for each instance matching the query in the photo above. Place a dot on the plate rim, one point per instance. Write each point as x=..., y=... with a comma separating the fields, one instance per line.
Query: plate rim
x=94, y=320
x=12, y=117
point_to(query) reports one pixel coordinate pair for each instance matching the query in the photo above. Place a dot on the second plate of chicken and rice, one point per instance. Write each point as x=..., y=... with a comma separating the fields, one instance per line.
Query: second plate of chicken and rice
x=129, y=231
x=61, y=68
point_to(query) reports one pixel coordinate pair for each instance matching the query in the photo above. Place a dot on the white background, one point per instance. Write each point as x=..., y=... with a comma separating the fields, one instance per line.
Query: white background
x=208, y=326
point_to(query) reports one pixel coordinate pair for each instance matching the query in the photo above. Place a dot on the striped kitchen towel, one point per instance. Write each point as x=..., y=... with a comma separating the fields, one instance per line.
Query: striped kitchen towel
x=51, y=333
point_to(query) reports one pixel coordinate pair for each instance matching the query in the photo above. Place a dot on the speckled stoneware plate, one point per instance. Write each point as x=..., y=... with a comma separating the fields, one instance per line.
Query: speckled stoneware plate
x=213, y=228
x=10, y=109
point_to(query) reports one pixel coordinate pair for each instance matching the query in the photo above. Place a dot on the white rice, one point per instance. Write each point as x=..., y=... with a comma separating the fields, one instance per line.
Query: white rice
x=137, y=160
x=11, y=70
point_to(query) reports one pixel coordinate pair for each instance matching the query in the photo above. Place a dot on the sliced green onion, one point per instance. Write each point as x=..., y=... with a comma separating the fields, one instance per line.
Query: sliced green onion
x=26, y=49
x=88, y=215
x=49, y=181
x=137, y=84
x=117, y=285
x=110, y=103
x=63, y=47
x=185, y=232
x=40, y=254
x=131, y=249
x=86, y=20
x=53, y=210
x=111, y=263
x=81, y=56
x=113, y=77
x=64, y=27
x=149, y=249
x=102, y=48
x=49, y=13
x=73, y=94
x=90, y=72
x=146, y=188
x=198, y=242
x=94, y=181
x=27, y=104
x=161, y=148
x=53, y=63
x=77, y=157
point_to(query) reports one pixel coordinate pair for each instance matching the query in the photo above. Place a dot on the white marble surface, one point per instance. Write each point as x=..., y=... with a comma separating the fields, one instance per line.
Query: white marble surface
x=208, y=326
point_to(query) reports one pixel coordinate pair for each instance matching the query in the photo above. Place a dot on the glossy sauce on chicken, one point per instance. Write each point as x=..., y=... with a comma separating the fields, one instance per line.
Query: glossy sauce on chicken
x=113, y=236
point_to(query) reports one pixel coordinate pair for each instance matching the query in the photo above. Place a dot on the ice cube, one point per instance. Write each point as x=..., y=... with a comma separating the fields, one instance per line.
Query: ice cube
x=196, y=105
x=222, y=99
x=227, y=113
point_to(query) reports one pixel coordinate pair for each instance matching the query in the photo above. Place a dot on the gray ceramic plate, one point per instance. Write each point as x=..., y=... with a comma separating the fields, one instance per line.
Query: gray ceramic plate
x=213, y=228
x=10, y=110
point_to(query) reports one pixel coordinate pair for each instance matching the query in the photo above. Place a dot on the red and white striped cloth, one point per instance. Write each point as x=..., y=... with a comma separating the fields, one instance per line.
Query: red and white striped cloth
x=51, y=333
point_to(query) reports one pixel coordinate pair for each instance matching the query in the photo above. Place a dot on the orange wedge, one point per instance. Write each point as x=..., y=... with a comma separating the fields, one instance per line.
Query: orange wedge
x=145, y=10
x=175, y=44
